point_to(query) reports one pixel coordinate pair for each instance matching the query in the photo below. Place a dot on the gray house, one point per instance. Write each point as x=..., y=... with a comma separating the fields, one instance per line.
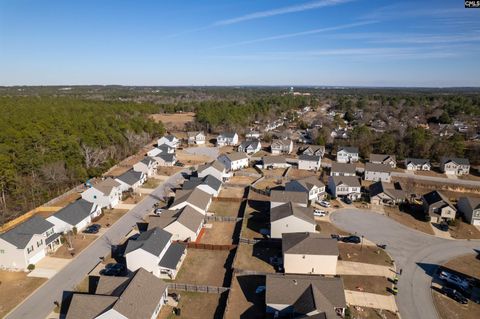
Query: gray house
x=77, y=214
x=131, y=180
x=318, y=150
x=377, y=172
x=470, y=209
x=390, y=160
x=455, y=166
x=438, y=207
x=386, y=194
x=342, y=169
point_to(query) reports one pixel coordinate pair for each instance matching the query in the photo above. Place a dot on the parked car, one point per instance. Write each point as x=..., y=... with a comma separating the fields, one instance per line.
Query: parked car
x=454, y=279
x=351, y=239
x=158, y=211
x=319, y=213
x=92, y=229
x=443, y=226
x=455, y=295
x=347, y=200
x=114, y=269
x=324, y=203
x=179, y=164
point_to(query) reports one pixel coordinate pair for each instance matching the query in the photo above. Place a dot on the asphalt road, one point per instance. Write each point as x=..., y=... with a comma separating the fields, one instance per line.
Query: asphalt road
x=445, y=180
x=416, y=253
x=41, y=303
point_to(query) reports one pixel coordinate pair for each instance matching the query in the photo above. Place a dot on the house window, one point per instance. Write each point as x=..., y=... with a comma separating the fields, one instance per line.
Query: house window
x=39, y=243
x=2, y=251
x=29, y=249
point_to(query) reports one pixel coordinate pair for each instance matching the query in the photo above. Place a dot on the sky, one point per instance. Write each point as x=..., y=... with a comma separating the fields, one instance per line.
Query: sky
x=243, y=42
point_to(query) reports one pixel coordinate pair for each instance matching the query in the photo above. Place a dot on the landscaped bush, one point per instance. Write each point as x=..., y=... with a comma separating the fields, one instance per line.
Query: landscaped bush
x=31, y=267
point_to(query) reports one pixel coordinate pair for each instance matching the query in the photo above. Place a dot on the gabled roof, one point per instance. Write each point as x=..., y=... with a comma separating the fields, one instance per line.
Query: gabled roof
x=215, y=164
x=387, y=189
x=474, y=202
x=106, y=185
x=348, y=149
x=172, y=256
x=268, y=160
x=253, y=143
x=309, y=158
x=351, y=181
x=131, y=177
x=347, y=168
x=288, y=196
x=85, y=306
x=373, y=167
x=417, y=161
x=434, y=197
x=196, y=197
x=21, y=235
x=304, y=184
x=309, y=244
x=186, y=216
x=194, y=134
x=111, y=285
x=170, y=138
x=227, y=134
x=164, y=148
x=235, y=156
x=456, y=160
x=167, y=157
x=281, y=143
x=209, y=180
x=152, y=241
x=75, y=212
x=381, y=157
x=290, y=209
x=314, y=148
x=147, y=160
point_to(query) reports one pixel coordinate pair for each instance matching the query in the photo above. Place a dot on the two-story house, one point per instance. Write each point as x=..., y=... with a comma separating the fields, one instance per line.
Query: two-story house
x=234, y=161
x=147, y=165
x=455, y=166
x=251, y=146
x=216, y=169
x=131, y=180
x=310, y=185
x=437, y=205
x=470, y=209
x=227, y=138
x=318, y=150
x=344, y=186
x=274, y=162
x=197, y=138
x=281, y=146
x=390, y=160
x=347, y=154
x=291, y=218
x=169, y=140
x=106, y=193
x=343, y=169
x=417, y=164
x=377, y=172
x=184, y=224
x=309, y=162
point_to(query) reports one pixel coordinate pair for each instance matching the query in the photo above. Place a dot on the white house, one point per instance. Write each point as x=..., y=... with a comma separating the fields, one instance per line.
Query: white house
x=281, y=147
x=470, y=209
x=279, y=197
x=147, y=165
x=184, y=224
x=161, y=149
x=209, y=184
x=77, y=214
x=309, y=162
x=318, y=150
x=154, y=251
x=106, y=193
x=250, y=146
x=252, y=135
x=377, y=172
x=234, y=161
x=309, y=254
x=291, y=218
x=390, y=160
x=131, y=180
x=344, y=186
x=417, y=164
x=310, y=185
x=166, y=159
x=216, y=169
x=455, y=166
x=274, y=162
x=347, y=154
x=227, y=138
x=196, y=198
x=27, y=243
x=197, y=138
x=343, y=169
x=169, y=140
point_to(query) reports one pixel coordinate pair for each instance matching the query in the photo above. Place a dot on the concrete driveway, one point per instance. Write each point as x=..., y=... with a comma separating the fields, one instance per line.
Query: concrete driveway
x=363, y=269
x=369, y=300
x=416, y=253
x=48, y=267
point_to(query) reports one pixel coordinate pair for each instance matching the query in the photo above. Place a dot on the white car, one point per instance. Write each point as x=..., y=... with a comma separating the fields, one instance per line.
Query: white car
x=324, y=203
x=319, y=213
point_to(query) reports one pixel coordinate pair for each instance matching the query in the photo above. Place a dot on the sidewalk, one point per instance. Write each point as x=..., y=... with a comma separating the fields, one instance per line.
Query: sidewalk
x=363, y=269
x=365, y=299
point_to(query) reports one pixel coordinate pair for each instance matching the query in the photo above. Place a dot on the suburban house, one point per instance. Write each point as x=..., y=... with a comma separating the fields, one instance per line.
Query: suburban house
x=196, y=198
x=27, y=243
x=252, y=135
x=291, y=218
x=390, y=160
x=209, y=184
x=470, y=209
x=303, y=296
x=131, y=180
x=343, y=169
x=216, y=169
x=227, y=139
x=234, y=161
x=197, y=138
x=106, y=193
x=344, y=186
x=377, y=172
x=166, y=159
x=318, y=150
x=147, y=165
x=347, y=154
x=438, y=207
x=279, y=197
x=274, y=162
x=382, y=193
x=250, y=146
x=310, y=185
x=309, y=162
x=75, y=215
x=154, y=251
x=141, y=295
x=455, y=166
x=309, y=253
x=281, y=147
x=184, y=224
x=169, y=140
x=162, y=149
x=417, y=164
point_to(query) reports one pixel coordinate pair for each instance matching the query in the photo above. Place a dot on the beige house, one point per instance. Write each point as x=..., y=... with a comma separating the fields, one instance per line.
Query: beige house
x=386, y=194
x=309, y=253
x=281, y=147
x=310, y=185
x=184, y=224
x=197, y=138
x=291, y=218
x=274, y=162
x=216, y=169
x=196, y=198
x=455, y=166
x=438, y=207
x=279, y=197
x=389, y=160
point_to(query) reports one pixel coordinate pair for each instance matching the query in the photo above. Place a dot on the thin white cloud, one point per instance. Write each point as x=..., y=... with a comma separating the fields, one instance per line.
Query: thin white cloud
x=296, y=34
x=280, y=11
x=406, y=38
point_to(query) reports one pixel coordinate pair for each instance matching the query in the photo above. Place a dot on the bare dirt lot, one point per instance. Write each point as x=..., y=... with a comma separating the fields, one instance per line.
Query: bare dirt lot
x=192, y=159
x=231, y=192
x=463, y=230
x=204, y=267
x=255, y=257
x=193, y=305
x=373, y=284
x=15, y=287
x=221, y=233
x=174, y=121
x=448, y=308
x=365, y=254
x=409, y=220
x=328, y=229
x=270, y=182
x=110, y=216
x=371, y=313
x=225, y=208
x=242, y=180
x=295, y=173
x=274, y=172
x=168, y=170
x=243, y=301
x=467, y=264
x=79, y=242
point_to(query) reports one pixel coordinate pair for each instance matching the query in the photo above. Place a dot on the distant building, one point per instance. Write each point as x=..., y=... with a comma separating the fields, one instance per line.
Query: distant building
x=417, y=164
x=383, y=159
x=377, y=172
x=281, y=147
x=197, y=138
x=227, y=138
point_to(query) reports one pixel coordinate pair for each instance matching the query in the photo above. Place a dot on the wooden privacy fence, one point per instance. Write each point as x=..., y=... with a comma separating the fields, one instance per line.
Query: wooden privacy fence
x=197, y=288
x=228, y=199
x=215, y=218
x=249, y=241
x=195, y=245
x=260, y=191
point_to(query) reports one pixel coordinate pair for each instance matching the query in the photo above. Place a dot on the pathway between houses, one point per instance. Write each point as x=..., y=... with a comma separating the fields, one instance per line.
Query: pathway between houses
x=363, y=269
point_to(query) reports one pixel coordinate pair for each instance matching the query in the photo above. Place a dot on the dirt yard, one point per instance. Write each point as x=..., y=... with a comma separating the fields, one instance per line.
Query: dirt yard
x=277, y=172
x=168, y=170
x=255, y=219
x=192, y=159
x=467, y=264
x=225, y=208
x=152, y=183
x=193, y=305
x=15, y=287
x=408, y=220
x=448, y=308
x=371, y=313
x=328, y=229
x=373, y=284
x=270, y=182
x=231, y=192
x=463, y=230
x=243, y=302
x=110, y=216
x=79, y=243
x=221, y=233
x=204, y=267
x=295, y=173
x=67, y=200
x=174, y=121
x=254, y=257
x=242, y=180
x=365, y=254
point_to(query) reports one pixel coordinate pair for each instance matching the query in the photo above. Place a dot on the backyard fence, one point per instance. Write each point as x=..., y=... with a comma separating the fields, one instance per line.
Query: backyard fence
x=197, y=288
x=228, y=199
x=249, y=241
x=248, y=174
x=260, y=191
x=243, y=272
x=195, y=245
x=215, y=218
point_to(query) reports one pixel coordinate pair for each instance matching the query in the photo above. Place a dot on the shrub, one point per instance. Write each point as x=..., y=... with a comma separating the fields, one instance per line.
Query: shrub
x=31, y=267
x=74, y=230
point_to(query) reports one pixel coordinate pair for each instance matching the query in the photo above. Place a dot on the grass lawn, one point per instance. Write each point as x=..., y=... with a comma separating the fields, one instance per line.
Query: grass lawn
x=365, y=254
x=408, y=220
x=371, y=313
x=14, y=288
x=204, y=267
x=463, y=230
x=79, y=243
x=221, y=233
x=328, y=228
x=110, y=216
x=467, y=264
x=225, y=208
x=243, y=301
x=255, y=258
x=152, y=183
x=448, y=308
x=373, y=284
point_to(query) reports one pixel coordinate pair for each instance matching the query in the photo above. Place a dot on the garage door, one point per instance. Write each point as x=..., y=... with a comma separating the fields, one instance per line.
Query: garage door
x=476, y=222
x=34, y=259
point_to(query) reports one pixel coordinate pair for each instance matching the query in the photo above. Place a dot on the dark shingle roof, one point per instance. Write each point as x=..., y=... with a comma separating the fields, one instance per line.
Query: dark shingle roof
x=289, y=209
x=196, y=197
x=152, y=241
x=435, y=197
x=310, y=158
x=274, y=160
x=207, y=180
x=75, y=212
x=386, y=188
x=130, y=177
x=417, y=161
x=147, y=160
x=373, y=167
x=227, y=134
x=172, y=256
x=343, y=168
x=351, y=181
x=309, y=244
x=84, y=306
x=288, y=196
x=168, y=158
x=457, y=160
x=21, y=235
x=186, y=216
x=304, y=184
x=348, y=149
